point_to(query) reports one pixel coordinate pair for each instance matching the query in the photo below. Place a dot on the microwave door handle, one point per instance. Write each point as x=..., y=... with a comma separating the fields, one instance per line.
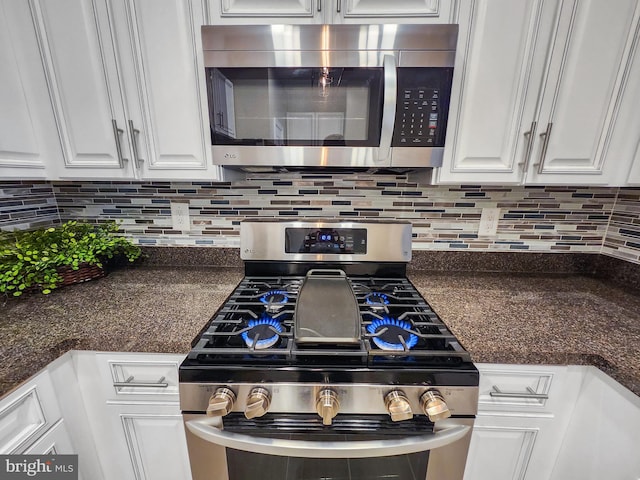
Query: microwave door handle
x=388, y=106
x=208, y=429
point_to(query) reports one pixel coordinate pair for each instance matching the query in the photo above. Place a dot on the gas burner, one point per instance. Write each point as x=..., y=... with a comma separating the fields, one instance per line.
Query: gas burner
x=391, y=331
x=274, y=300
x=377, y=300
x=262, y=333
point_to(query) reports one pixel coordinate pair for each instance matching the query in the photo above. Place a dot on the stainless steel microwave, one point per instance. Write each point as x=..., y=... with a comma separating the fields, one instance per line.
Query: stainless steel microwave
x=285, y=97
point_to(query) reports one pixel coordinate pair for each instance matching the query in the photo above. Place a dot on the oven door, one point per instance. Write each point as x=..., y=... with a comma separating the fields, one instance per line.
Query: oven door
x=355, y=448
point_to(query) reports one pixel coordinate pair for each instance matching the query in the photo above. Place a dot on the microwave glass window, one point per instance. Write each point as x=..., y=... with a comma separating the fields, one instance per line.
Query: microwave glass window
x=295, y=106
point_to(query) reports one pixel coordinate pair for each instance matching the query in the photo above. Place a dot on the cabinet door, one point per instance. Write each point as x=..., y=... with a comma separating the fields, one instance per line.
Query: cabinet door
x=28, y=134
x=238, y=12
x=602, y=438
x=147, y=443
x=56, y=441
x=158, y=43
x=384, y=11
x=27, y=413
x=581, y=97
x=634, y=173
x=624, y=147
x=499, y=64
x=83, y=79
x=512, y=448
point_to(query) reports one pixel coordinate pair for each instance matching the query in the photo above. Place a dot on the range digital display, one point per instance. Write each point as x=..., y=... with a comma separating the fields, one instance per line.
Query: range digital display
x=326, y=240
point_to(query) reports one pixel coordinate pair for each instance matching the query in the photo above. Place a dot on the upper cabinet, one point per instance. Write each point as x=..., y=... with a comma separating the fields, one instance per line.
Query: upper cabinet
x=158, y=44
x=29, y=140
x=84, y=82
x=126, y=82
x=625, y=139
x=329, y=11
x=539, y=92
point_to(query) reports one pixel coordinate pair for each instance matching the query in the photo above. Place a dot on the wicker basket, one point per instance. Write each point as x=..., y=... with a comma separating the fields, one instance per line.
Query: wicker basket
x=85, y=273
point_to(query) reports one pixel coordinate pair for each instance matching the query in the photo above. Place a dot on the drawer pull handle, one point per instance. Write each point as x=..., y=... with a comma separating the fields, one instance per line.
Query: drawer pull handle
x=130, y=383
x=496, y=392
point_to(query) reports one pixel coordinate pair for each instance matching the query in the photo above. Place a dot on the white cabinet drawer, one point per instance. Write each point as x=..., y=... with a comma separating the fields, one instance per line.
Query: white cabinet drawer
x=140, y=377
x=27, y=412
x=520, y=388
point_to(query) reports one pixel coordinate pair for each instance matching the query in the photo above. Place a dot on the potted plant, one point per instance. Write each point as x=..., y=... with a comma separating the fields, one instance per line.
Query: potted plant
x=47, y=258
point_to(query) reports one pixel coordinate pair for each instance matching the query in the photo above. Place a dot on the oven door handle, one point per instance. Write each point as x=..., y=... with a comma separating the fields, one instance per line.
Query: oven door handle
x=209, y=430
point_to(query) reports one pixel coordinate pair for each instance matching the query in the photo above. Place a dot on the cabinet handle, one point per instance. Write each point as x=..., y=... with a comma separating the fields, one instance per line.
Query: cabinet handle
x=527, y=153
x=117, y=132
x=496, y=392
x=319, y=5
x=130, y=383
x=545, y=143
x=339, y=6
x=135, y=133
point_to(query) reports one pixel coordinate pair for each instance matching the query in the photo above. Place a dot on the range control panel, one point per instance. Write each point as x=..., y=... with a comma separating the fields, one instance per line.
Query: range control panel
x=326, y=240
x=421, y=107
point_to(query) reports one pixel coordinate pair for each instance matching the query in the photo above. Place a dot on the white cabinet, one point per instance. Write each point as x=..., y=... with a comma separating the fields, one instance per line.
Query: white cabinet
x=27, y=413
x=56, y=441
x=507, y=448
x=329, y=11
x=602, y=437
x=634, y=173
x=83, y=79
x=145, y=442
x=134, y=414
x=127, y=84
x=498, y=70
x=625, y=138
x=159, y=50
x=523, y=413
x=537, y=91
x=28, y=136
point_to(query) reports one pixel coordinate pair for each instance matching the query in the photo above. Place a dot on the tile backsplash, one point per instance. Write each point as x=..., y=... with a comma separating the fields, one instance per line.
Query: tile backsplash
x=623, y=234
x=27, y=205
x=537, y=219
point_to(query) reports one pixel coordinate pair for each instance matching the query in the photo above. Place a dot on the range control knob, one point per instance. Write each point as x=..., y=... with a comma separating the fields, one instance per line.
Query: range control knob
x=258, y=403
x=327, y=405
x=398, y=405
x=221, y=402
x=434, y=406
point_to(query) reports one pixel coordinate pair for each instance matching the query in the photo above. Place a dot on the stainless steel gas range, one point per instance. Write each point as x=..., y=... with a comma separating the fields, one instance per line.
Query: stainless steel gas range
x=325, y=362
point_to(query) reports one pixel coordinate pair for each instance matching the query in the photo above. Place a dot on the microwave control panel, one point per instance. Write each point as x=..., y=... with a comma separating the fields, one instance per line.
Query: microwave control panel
x=422, y=105
x=326, y=240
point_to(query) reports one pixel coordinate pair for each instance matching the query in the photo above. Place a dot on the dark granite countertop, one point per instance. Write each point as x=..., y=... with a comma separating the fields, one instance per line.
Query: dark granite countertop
x=498, y=317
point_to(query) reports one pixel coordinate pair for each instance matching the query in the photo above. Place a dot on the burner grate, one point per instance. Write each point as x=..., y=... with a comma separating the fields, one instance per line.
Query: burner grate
x=255, y=325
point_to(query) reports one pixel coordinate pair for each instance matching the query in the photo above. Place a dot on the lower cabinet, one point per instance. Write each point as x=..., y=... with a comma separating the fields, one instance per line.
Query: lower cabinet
x=134, y=414
x=27, y=414
x=511, y=448
x=120, y=413
x=602, y=439
x=56, y=441
x=523, y=413
x=144, y=442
